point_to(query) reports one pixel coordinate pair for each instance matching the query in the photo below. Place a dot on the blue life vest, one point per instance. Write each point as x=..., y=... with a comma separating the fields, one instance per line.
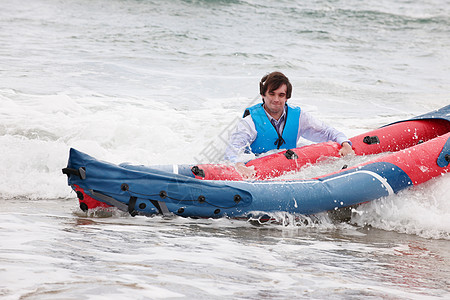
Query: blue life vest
x=267, y=137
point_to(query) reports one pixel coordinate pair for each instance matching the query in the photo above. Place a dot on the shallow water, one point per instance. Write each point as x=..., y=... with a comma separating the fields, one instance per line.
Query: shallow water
x=55, y=253
x=160, y=83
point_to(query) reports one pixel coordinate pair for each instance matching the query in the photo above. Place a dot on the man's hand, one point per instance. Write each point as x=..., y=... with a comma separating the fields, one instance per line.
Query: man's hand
x=244, y=171
x=346, y=149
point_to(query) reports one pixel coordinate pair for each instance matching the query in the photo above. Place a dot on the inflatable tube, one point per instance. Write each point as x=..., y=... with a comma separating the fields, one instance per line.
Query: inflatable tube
x=151, y=191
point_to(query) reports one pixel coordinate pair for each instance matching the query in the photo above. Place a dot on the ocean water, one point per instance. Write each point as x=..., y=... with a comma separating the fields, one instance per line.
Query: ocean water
x=162, y=82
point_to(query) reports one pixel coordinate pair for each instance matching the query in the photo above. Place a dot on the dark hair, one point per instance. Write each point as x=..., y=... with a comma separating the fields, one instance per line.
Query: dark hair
x=273, y=81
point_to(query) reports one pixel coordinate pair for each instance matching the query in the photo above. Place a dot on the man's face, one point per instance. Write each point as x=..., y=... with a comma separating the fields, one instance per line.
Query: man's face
x=274, y=101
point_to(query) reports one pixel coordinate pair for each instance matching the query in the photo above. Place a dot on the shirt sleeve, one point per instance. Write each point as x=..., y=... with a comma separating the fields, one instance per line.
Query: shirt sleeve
x=241, y=139
x=317, y=131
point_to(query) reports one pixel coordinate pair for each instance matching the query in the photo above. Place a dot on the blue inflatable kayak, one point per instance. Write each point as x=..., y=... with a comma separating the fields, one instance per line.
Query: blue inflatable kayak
x=148, y=191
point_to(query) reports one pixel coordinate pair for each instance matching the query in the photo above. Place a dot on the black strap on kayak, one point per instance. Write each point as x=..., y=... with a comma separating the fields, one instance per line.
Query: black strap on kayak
x=161, y=207
x=80, y=172
x=131, y=205
x=369, y=140
x=197, y=171
x=109, y=200
x=289, y=154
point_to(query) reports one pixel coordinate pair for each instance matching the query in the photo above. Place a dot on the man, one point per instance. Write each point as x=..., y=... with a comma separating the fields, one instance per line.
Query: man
x=276, y=125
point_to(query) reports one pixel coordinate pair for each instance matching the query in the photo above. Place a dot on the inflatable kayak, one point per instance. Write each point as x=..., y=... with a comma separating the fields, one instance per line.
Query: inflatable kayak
x=420, y=146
